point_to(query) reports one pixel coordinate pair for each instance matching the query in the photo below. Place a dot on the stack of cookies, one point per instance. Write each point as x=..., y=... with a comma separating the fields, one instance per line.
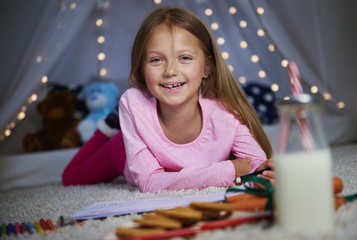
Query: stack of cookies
x=162, y=220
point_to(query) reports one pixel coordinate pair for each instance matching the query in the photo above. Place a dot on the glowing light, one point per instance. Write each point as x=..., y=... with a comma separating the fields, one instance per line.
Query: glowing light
x=7, y=132
x=225, y=55
x=271, y=47
x=242, y=79
x=214, y=26
x=231, y=68
x=24, y=108
x=262, y=74
x=243, y=44
x=101, y=56
x=12, y=124
x=39, y=59
x=232, y=10
x=286, y=98
x=243, y=24
x=220, y=41
x=260, y=32
x=44, y=79
x=32, y=98
x=254, y=58
x=208, y=12
x=260, y=11
x=327, y=96
x=103, y=72
x=157, y=1
x=21, y=115
x=101, y=39
x=99, y=22
x=274, y=87
x=73, y=6
x=341, y=105
x=314, y=89
x=284, y=63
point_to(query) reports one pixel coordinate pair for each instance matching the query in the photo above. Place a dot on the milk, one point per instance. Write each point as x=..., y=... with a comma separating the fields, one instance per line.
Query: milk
x=303, y=192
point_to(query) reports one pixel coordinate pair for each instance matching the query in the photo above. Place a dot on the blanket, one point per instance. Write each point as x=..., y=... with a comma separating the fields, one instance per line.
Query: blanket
x=51, y=201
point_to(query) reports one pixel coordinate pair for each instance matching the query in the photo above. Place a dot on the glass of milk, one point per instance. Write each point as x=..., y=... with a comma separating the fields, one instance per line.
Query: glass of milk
x=303, y=192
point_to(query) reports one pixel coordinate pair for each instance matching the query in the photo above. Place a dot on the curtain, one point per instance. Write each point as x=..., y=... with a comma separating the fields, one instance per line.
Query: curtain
x=60, y=21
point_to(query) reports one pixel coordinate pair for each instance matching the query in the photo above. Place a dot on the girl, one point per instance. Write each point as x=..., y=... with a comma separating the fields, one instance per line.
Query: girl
x=186, y=122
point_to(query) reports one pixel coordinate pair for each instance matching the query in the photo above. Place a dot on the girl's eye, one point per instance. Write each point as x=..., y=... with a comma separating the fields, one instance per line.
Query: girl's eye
x=155, y=60
x=185, y=58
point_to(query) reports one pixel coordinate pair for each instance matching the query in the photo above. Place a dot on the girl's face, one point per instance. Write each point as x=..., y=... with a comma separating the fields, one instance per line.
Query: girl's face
x=174, y=66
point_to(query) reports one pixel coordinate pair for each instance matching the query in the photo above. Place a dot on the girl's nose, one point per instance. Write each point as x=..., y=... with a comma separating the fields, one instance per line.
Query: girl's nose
x=171, y=69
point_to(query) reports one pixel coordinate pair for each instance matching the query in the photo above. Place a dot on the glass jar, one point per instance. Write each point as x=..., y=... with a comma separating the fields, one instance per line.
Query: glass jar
x=303, y=167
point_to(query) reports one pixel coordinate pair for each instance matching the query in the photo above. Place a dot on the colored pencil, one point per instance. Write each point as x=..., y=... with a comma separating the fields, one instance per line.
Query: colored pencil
x=38, y=228
x=30, y=228
x=18, y=230
x=44, y=225
x=3, y=230
x=61, y=221
x=10, y=229
x=24, y=228
x=50, y=224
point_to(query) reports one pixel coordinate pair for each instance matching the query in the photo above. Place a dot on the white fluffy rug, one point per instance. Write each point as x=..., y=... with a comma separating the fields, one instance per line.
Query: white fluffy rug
x=52, y=201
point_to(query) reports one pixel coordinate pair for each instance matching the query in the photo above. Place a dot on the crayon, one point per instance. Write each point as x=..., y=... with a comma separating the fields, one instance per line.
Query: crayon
x=61, y=221
x=24, y=228
x=50, y=224
x=38, y=228
x=10, y=229
x=44, y=225
x=30, y=228
x=3, y=230
x=18, y=230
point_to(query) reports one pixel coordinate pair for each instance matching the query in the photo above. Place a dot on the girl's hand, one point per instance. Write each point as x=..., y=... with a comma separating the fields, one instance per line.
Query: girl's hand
x=242, y=166
x=268, y=174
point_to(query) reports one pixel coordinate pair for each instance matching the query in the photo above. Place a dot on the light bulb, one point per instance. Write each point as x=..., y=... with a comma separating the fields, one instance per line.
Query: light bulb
x=208, y=12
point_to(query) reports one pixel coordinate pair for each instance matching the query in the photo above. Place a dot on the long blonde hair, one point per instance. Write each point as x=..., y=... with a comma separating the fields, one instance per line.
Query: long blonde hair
x=220, y=84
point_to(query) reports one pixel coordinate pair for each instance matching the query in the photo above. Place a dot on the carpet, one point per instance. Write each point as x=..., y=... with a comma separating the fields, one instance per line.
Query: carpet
x=53, y=200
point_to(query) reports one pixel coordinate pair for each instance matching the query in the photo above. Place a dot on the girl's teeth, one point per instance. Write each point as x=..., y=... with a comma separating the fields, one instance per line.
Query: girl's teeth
x=172, y=85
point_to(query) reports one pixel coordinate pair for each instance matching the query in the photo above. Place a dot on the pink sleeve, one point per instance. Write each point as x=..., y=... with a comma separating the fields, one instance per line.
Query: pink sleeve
x=246, y=146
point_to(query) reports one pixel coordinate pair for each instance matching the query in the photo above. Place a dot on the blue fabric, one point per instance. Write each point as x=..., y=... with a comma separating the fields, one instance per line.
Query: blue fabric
x=263, y=100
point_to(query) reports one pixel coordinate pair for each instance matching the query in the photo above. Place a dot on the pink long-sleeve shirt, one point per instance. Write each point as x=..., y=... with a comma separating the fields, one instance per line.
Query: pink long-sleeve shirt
x=155, y=163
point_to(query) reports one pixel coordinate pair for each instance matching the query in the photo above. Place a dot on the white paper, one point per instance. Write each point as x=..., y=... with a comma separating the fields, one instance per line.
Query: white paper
x=115, y=208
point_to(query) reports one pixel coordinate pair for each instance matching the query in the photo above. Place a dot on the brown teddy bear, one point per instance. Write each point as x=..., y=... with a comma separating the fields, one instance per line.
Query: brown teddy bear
x=59, y=126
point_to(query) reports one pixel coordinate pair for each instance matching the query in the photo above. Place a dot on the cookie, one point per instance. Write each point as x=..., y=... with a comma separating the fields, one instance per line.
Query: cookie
x=212, y=206
x=181, y=213
x=131, y=232
x=160, y=221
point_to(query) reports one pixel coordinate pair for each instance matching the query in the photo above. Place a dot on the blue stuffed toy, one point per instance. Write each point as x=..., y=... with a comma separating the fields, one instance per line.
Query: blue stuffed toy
x=100, y=98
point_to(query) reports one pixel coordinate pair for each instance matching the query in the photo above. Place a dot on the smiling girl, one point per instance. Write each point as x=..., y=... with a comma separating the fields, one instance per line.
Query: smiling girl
x=185, y=122
x=186, y=113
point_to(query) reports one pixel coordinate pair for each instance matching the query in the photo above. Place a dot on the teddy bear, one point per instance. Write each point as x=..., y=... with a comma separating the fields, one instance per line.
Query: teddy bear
x=59, y=126
x=100, y=98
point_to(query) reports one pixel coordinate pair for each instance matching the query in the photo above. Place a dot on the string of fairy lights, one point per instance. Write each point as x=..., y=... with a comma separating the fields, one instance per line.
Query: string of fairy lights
x=254, y=58
x=101, y=7
x=102, y=70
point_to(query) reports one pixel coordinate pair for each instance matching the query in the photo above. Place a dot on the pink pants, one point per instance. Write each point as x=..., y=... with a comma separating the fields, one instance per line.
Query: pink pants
x=100, y=159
